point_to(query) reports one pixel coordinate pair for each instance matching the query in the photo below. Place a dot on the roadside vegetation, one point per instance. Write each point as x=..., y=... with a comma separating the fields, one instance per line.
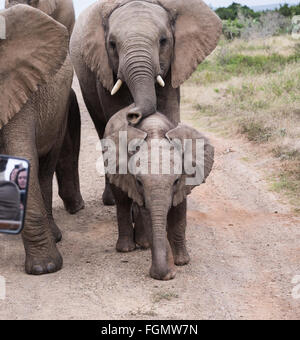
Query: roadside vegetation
x=251, y=87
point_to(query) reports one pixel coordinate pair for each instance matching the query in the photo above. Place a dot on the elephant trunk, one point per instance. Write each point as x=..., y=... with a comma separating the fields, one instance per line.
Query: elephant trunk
x=139, y=72
x=162, y=259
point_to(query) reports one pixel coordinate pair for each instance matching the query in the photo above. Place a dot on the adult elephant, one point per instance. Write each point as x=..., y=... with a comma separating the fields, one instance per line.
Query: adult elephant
x=60, y=10
x=148, y=48
x=35, y=83
x=67, y=166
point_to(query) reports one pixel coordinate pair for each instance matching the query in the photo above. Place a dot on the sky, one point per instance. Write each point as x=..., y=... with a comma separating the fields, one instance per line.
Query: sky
x=80, y=5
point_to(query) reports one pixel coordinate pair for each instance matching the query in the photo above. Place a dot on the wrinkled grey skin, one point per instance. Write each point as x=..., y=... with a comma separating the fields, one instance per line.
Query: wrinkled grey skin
x=158, y=201
x=136, y=41
x=34, y=109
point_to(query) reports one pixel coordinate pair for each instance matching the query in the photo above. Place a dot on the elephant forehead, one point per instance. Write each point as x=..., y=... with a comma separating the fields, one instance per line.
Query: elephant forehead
x=162, y=154
x=137, y=14
x=156, y=125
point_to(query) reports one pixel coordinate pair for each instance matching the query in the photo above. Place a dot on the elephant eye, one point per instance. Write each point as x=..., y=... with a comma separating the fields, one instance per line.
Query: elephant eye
x=163, y=41
x=112, y=44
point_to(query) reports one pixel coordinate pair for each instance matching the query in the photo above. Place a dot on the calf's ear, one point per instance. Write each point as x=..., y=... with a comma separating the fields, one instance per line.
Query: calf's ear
x=197, y=152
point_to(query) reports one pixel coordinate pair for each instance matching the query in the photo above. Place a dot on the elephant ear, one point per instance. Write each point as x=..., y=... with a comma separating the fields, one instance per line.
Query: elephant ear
x=35, y=48
x=46, y=6
x=201, y=164
x=93, y=46
x=126, y=182
x=197, y=31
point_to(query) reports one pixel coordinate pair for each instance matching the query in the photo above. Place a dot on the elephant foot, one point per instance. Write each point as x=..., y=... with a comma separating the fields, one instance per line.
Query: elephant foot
x=108, y=197
x=125, y=244
x=169, y=275
x=141, y=239
x=181, y=260
x=74, y=205
x=55, y=232
x=181, y=257
x=160, y=268
x=46, y=264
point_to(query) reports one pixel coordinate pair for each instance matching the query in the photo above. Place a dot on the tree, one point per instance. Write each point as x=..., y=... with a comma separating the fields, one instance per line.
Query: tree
x=232, y=11
x=285, y=10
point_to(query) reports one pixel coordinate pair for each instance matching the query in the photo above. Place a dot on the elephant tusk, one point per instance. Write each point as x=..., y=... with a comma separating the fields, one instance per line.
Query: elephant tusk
x=116, y=87
x=160, y=81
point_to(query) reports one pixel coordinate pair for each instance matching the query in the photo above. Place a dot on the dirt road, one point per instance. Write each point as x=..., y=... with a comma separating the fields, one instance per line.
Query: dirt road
x=244, y=247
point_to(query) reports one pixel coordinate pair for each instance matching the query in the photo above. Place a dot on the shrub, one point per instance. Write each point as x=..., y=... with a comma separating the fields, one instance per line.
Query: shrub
x=232, y=29
x=269, y=24
x=255, y=131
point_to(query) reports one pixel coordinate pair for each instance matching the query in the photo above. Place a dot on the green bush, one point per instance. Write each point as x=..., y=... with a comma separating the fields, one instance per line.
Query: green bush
x=289, y=11
x=232, y=11
x=232, y=29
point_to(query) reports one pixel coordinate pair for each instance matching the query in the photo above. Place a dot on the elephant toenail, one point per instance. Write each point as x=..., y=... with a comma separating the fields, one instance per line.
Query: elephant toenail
x=51, y=267
x=37, y=270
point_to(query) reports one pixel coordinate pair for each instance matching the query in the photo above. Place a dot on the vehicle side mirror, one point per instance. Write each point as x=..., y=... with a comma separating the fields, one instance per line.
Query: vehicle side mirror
x=14, y=183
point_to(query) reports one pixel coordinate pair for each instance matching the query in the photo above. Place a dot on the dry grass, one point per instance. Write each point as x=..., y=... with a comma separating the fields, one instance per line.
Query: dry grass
x=253, y=88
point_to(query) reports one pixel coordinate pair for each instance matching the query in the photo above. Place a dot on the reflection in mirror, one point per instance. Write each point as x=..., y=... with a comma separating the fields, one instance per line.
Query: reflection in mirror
x=14, y=178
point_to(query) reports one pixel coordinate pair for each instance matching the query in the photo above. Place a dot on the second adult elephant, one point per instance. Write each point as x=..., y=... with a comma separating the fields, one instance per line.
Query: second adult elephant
x=149, y=46
x=35, y=82
x=67, y=172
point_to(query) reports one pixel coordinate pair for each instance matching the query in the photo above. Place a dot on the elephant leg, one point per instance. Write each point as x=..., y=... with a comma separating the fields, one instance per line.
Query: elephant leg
x=125, y=241
x=67, y=166
x=100, y=120
x=141, y=232
x=176, y=233
x=42, y=255
x=46, y=172
x=108, y=196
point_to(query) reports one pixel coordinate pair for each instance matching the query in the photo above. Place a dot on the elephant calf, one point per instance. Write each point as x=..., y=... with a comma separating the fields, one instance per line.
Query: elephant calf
x=36, y=103
x=147, y=184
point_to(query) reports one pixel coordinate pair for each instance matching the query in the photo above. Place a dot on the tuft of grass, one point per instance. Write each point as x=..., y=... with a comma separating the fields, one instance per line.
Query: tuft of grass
x=297, y=48
x=284, y=153
x=157, y=297
x=255, y=131
x=288, y=181
x=207, y=110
